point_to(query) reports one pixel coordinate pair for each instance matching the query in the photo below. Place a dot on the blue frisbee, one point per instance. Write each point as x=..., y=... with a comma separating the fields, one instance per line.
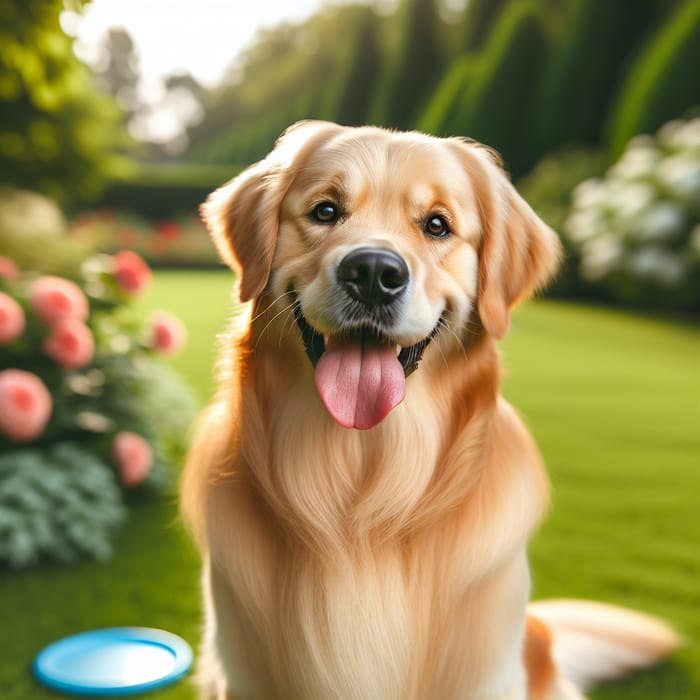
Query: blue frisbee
x=114, y=661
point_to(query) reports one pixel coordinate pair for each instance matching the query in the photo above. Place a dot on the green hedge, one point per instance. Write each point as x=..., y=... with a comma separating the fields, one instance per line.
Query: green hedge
x=159, y=191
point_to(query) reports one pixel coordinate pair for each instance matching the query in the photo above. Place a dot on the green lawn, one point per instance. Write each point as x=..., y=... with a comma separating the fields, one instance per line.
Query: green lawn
x=614, y=401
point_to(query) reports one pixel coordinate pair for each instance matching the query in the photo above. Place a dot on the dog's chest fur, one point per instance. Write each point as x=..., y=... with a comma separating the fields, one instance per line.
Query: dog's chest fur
x=375, y=555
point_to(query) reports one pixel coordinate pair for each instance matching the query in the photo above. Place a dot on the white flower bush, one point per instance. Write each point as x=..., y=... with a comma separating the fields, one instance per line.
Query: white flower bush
x=637, y=230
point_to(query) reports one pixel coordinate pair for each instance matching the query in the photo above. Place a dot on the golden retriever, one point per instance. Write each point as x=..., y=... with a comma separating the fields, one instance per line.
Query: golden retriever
x=361, y=494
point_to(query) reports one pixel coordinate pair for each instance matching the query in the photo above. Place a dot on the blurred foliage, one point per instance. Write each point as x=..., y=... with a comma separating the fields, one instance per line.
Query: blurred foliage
x=58, y=134
x=118, y=70
x=638, y=228
x=662, y=84
x=32, y=233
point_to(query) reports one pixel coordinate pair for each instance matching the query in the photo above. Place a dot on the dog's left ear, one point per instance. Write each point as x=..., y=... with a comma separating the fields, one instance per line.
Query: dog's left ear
x=243, y=215
x=519, y=252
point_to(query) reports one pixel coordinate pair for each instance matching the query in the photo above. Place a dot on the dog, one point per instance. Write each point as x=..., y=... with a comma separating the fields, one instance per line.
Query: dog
x=361, y=494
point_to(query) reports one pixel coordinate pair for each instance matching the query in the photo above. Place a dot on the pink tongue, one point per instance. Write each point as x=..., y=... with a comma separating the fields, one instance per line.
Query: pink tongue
x=360, y=385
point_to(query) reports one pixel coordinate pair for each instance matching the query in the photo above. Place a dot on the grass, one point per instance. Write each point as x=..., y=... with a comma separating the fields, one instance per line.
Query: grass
x=613, y=400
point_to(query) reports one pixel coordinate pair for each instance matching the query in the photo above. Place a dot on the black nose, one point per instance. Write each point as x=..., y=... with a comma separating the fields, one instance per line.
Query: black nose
x=374, y=276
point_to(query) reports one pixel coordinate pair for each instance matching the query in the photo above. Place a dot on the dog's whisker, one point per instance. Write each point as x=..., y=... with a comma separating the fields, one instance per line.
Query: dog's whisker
x=284, y=330
x=271, y=304
x=286, y=309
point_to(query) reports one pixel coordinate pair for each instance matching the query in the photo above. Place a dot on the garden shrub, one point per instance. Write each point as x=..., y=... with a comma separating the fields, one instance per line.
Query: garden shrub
x=57, y=503
x=89, y=415
x=638, y=229
x=33, y=234
x=663, y=83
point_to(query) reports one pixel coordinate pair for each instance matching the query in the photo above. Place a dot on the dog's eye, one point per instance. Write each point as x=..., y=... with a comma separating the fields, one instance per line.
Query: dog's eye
x=436, y=226
x=325, y=213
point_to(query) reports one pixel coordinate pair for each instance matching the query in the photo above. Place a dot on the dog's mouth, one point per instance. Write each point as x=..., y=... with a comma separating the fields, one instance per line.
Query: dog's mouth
x=360, y=373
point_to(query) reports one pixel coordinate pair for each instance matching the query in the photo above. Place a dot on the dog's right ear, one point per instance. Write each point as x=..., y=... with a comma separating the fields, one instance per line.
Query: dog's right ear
x=243, y=215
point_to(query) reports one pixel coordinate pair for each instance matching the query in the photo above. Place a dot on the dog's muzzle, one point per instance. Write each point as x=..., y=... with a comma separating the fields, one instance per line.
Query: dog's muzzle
x=359, y=370
x=374, y=279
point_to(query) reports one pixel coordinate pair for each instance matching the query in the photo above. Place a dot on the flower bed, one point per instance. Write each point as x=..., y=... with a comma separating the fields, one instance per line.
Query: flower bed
x=89, y=415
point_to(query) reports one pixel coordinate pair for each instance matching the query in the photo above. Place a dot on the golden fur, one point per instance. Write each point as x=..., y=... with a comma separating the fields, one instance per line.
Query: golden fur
x=386, y=564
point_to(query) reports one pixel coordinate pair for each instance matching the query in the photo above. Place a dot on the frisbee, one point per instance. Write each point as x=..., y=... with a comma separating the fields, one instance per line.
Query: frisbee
x=113, y=661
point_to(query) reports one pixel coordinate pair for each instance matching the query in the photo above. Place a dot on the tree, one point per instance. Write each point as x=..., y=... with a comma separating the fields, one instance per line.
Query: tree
x=117, y=70
x=58, y=134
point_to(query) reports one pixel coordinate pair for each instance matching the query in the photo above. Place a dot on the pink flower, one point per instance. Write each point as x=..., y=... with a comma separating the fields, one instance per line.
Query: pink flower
x=55, y=299
x=167, y=333
x=70, y=344
x=12, y=320
x=8, y=269
x=133, y=456
x=25, y=405
x=131, y=272
x=168, y=229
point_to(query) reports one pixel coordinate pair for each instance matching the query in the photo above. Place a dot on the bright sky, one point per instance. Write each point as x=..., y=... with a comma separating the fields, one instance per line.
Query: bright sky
x=201, y=37
x=198, y=36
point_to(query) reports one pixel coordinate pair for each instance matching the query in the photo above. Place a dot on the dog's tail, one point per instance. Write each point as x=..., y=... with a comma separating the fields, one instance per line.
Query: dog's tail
x=594, y=642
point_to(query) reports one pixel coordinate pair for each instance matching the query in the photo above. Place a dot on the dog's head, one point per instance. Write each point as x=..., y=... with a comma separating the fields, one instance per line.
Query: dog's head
x=377, y=242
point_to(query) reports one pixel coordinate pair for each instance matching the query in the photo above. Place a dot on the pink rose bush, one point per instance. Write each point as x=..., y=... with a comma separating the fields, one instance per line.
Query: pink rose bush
x=85, y=401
